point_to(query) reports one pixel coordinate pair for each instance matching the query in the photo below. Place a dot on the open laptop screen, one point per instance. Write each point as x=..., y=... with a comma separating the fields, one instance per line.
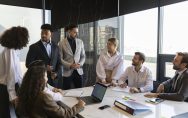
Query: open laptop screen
x=99, y=91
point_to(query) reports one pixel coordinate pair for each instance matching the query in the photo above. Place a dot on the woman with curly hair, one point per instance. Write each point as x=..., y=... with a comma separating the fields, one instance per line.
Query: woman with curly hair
x=11, y=41
x=33, y=102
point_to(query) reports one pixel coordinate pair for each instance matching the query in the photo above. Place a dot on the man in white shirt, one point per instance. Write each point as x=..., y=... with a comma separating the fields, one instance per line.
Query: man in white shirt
x=139, y=77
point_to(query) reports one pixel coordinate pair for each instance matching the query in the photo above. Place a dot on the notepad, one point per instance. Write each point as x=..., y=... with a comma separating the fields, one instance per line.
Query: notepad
x=73, y=93
x=117, y=88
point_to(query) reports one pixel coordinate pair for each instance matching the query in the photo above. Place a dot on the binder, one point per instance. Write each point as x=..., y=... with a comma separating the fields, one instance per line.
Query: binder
x=131, y=107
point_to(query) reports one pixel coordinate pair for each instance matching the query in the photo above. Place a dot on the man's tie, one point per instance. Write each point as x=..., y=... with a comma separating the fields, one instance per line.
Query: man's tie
x=176, y=80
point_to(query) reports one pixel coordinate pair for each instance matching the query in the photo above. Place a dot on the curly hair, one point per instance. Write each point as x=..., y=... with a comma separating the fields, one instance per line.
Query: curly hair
x=33, y=84
x=15, y=38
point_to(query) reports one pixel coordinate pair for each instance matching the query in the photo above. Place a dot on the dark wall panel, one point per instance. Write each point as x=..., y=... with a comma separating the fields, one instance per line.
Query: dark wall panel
x=81, y=11
x=130, y=6
x=26, y=3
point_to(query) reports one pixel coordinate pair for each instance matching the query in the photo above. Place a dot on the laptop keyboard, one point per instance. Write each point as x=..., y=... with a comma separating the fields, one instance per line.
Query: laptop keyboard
x=89, y=100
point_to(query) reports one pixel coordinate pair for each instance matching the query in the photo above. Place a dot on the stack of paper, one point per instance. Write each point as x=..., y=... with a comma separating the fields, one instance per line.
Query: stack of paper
x=73, y=93
x=117, y=88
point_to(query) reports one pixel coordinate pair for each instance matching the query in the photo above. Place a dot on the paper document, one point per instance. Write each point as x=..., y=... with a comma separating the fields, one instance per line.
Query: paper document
x=117, y=88
x=73, y=93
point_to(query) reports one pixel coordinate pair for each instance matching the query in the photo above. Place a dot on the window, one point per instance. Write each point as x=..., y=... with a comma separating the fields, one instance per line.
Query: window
x=175, y=27
x=21, y=16
x=107, y=28
x=140, y=34
x=86, y=34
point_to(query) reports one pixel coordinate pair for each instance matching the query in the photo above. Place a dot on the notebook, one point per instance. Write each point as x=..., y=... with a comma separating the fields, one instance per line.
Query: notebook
x=96, y=96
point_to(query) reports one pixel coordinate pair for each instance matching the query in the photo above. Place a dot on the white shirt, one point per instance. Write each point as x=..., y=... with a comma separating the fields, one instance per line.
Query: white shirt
x=108, y=62
x=47, y=47
x=141, y=79
x=56, y=96
x=10, y=71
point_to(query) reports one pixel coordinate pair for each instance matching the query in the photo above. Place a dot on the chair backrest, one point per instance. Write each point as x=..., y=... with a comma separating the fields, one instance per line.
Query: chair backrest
x=155, y=86
x=186, y=100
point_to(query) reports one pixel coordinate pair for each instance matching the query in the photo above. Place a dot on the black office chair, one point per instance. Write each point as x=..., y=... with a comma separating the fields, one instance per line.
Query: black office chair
x=186, y=100
x=155, y=86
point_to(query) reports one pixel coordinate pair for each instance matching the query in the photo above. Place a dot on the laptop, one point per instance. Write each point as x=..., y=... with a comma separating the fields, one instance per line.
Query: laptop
x=96, y=96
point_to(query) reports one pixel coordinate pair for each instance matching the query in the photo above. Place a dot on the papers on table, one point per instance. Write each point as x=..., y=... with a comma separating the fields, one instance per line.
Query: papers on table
x=154, y=100
x=117, y=88
x=73, y=93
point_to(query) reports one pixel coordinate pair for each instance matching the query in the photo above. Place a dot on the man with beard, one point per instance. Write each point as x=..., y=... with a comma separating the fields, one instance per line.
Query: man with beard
x=46, y=50
x=138, y=76
x=72, y=57
x=176, y=88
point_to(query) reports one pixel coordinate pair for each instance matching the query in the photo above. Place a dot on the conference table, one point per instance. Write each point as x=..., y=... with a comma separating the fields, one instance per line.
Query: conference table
x=165, y=109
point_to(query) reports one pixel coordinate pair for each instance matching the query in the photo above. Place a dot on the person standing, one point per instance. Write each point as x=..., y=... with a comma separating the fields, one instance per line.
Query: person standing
x=45, y=49
x=11, y=41
x=72, y=57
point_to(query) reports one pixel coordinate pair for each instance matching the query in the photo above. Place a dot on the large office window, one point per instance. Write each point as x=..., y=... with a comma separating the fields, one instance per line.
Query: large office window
x=140, y=34
x=107, y=28
x=175, y=28
x=21, y=16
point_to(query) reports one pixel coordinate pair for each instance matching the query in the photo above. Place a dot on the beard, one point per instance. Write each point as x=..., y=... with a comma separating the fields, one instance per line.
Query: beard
x=176, y=67
x=134, y=64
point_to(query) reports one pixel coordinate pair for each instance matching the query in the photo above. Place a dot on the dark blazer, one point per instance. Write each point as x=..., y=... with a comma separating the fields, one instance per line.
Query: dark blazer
x=37, y=51
x=46, y=107
x=180, y=93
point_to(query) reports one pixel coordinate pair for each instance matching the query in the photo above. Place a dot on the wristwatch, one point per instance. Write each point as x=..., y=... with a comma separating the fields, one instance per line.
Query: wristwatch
x=139, y=90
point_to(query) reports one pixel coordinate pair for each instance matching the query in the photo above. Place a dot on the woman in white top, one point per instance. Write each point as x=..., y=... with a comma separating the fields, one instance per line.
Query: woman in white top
x=110, y=63
x=11, y=41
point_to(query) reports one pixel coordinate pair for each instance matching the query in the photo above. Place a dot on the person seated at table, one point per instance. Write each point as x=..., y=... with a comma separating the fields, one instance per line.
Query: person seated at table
x=33, y=102
x=57, y=94
x=110, y=63
x=175, y=88
x=139, y=77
